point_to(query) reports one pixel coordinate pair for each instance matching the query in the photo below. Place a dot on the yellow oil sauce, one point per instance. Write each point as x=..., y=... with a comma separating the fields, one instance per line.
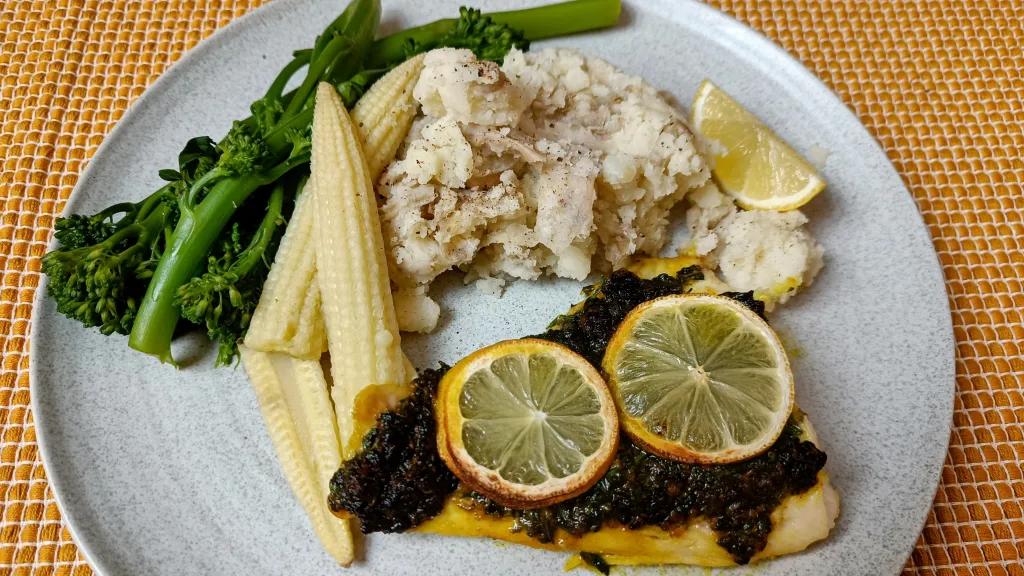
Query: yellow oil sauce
x=694, y=544
x=649, y=268
x=576, y=562
x=370, y=403
x=799, y=521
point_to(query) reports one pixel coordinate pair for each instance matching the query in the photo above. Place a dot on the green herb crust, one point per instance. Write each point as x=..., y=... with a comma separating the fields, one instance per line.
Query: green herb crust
x=640, y=489
x=587, y=328
x=596, y=562
x=397, y=480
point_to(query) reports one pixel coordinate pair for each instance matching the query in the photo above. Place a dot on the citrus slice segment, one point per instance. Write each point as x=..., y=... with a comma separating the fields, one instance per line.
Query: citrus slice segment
x=699, y=378
x=756, y=167
x=527, y=423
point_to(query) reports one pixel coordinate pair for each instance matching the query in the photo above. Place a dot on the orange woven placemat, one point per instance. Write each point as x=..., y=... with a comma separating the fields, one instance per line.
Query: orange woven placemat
x=939, y=83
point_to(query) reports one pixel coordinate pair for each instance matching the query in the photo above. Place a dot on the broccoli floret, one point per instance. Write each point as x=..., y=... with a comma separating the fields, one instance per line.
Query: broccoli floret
x=99, y=274
x=256, y=153
x=472, y=30
x=475, y=31
x=488, y=39
x=241, y=152
x=77, y=230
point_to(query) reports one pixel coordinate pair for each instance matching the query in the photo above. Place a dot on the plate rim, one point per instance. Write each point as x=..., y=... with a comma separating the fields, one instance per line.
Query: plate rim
x=770, y=52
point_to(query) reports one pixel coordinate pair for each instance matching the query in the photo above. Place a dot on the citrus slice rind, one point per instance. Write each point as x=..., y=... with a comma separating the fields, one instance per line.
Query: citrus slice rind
x=528, y=423
x=756, y=167
x=699, y=378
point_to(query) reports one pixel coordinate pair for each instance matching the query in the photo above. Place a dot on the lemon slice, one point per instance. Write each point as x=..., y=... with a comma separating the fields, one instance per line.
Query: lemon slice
x=527, y=423
x=757, y=168
x=699, y=378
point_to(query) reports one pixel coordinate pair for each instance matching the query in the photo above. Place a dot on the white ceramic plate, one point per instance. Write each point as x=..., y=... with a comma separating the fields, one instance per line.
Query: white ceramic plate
x=160, y=471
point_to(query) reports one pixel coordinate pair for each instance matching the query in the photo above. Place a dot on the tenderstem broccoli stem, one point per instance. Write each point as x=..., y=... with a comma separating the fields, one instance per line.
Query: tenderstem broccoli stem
x=256, y=251
x=317, y=70
x=190, y=243
x=561, y=19
x=300, y=59
x=536, y=23
x=127, y=208
x=136, y=212
x=140, y=221
x=344, y=44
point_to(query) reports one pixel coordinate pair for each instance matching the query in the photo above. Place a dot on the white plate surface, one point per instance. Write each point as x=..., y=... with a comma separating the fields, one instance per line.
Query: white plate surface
x=160, y=471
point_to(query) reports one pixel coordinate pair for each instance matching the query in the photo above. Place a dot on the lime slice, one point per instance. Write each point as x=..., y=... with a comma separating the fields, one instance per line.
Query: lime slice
x=526, y=422
x=757, y=167
x=699, y=378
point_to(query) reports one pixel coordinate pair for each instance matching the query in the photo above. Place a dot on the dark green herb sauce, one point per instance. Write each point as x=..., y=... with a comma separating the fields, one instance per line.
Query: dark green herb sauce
x=641, y=489
x=596, y=562
x=587, y=328
x=397, y=481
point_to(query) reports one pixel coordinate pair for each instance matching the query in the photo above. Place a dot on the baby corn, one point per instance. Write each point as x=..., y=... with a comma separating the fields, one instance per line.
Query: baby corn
x=362, y=332
x=296, y=408
x=293, y=393
x=383, y=115
x=287, y=318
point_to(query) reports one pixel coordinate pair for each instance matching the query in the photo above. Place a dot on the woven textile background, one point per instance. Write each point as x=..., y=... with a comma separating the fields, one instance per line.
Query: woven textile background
x=939, y=83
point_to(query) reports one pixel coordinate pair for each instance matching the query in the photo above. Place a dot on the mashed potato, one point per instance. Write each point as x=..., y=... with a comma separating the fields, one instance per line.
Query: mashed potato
x=768, y=252
x=555, y=163
x=416, y=312
x=558, y=163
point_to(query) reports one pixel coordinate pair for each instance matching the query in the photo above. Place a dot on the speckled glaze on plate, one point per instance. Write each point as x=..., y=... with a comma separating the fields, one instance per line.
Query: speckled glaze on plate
x=160, y=471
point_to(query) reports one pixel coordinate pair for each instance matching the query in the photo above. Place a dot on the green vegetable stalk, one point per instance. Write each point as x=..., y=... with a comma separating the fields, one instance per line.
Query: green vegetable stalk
x=100, y=273
x=487, y=34
x=221, y=299
x=248, y=159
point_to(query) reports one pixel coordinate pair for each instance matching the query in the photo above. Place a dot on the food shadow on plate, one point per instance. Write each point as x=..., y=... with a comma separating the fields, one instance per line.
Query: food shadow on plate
x=470, y=318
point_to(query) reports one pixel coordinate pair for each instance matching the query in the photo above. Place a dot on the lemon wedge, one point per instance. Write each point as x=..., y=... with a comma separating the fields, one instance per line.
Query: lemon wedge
x=756, y=167
x=528, y=423
x=699, y=378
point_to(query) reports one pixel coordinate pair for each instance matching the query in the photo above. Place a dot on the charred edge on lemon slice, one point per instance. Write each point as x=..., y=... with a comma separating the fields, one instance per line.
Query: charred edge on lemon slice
x=647, y=434
x=491, y=482
x=397, y=479
x=514, y=501
x=640, y=489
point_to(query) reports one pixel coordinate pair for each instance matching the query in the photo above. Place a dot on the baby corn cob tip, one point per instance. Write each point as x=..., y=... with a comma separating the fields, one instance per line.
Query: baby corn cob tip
x=287, y=318
x=362, y=331
x=296, y=408
x=383, y=115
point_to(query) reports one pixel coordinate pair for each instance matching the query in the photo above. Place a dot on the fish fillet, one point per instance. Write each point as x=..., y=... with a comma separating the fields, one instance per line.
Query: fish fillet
x=798, y=522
